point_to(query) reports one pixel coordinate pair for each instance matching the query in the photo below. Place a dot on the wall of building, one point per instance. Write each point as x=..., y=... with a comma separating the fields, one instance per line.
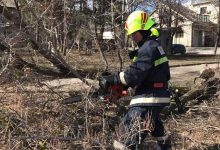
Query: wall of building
x=196, y=38
x=187, y=35
x=199, y=35
x=186, y=27
x=212, y=10
x=202, y=38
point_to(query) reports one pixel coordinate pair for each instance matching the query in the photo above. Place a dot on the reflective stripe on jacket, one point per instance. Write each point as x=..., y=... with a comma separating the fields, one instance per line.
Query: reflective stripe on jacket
x=150, y=100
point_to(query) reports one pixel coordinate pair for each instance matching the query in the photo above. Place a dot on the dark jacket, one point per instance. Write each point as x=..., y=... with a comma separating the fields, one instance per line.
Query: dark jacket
x=149, y=74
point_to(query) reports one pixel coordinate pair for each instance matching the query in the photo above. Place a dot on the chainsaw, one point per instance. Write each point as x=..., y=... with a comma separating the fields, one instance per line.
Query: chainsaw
x=111, y=94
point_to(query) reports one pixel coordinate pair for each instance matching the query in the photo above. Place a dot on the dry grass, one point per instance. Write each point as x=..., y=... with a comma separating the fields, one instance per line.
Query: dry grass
x=198, y=128
x=38, y=120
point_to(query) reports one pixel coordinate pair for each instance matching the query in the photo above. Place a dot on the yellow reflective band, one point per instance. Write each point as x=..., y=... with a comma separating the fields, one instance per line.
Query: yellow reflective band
x=122, y=78
x=148, y=100
x=154, y=32
x=134, y=59
x=160, y=61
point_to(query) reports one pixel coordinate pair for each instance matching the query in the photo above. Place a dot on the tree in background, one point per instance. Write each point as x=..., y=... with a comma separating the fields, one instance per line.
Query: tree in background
x=53, y=27
x=42, y=24
x=216, y=3
x=170, y=20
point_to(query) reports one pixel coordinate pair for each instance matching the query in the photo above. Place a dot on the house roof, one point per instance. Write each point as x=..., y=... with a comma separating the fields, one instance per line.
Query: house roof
x=199, y=2
x=187, y=13
x=183, y=11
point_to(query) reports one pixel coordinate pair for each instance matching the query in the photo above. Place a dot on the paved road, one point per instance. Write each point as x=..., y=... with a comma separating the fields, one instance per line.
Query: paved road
x=202, y=50
x=183, y=76
x=198, y=50
x=191, y=69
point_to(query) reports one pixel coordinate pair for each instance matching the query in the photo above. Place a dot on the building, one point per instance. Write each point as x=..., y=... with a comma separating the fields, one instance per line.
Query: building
x=198, y=23
x=203, y=29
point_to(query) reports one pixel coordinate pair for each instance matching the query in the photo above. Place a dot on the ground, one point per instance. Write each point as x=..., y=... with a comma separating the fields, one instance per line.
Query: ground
x=37, y=119
x=198, y=128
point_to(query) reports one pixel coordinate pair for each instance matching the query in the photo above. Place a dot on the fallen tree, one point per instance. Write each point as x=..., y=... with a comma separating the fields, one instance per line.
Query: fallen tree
x=14, y=15
x=204, y=88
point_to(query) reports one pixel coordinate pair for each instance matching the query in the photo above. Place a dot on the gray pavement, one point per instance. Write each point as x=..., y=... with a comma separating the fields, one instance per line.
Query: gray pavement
x=185, y=75
x=197, y=50
x=191, y=69
x=202, y=50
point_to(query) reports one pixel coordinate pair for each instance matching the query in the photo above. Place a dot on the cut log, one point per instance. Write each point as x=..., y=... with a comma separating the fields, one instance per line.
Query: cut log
x=206, y=91
x=190, y=95
x=70, y=86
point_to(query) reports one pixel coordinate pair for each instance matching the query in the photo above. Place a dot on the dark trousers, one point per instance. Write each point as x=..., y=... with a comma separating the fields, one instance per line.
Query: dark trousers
x=140, y=122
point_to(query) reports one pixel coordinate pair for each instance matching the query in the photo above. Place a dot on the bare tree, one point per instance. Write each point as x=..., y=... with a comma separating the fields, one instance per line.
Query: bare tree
x=170, y=18
x=217, y=4
x=24, y=18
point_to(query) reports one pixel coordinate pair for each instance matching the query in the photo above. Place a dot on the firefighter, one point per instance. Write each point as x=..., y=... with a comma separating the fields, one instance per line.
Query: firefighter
x=149, y=75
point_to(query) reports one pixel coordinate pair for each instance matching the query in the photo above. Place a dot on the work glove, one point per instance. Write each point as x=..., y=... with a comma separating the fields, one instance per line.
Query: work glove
x=106, y=81
x=106, y=73
x=132, y=54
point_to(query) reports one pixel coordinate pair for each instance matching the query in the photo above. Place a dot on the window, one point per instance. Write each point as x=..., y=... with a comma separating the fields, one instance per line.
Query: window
x=203, y=10
x=179, y=34
x=203, y=18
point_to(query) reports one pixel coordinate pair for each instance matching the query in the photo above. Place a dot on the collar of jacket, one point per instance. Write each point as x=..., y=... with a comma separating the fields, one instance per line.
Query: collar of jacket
x=146, y=39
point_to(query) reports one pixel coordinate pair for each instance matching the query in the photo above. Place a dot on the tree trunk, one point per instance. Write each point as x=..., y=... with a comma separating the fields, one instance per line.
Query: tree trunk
x=216, y=43
x=64, y=29
x=218, y=29
x=98, y=43
x=169, y=43
x=99, y=39
x=116, y=37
